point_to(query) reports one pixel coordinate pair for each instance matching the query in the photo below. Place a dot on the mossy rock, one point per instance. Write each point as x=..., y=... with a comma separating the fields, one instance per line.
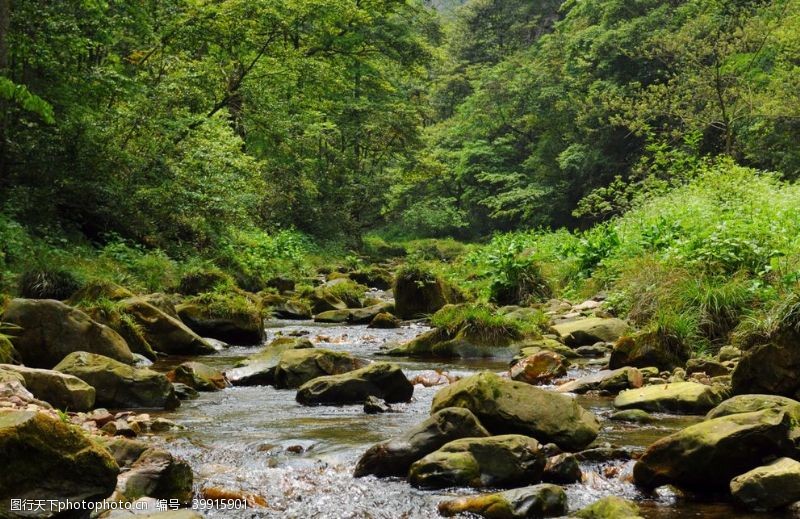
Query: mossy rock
x=57, y=389
x=385, y=320
x=495, y=461
x=769, y=487
x=539, y=368
x=678, y=397
x=323, y=300
x=504, y=406
x=750, y=403
x=648, y=348
x=585, y=332
x=199, y=376
x=610, y=507
x=530, y=347
x=259, y=369
x=8, y=354
x=51, y=330
x=126, y=326
x=395, y=456
x=543, y=500
x=45, y=458
x=605, y=380
x=119, y=385
x=374, y=277
x=158, y=474
x=298, y=366
x=418, y=293
x=99, y=290
x=704, y=457
x=381, y=380
x=772, y=368
x=232, y=317
x=204, y=280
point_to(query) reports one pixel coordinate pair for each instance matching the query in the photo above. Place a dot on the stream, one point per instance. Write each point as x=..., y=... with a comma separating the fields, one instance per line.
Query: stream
x=300, y=459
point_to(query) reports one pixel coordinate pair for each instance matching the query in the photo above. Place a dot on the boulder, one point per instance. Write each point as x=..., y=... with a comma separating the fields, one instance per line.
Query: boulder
x=60, y=390
x=495, y=461
x=322, y=300
x=680, y=397
x=198, y=376
x=394, y=457
x=333, y=316
x=531, y=347
x=373, y=277
x=749, y=403
x=119, y=385
x=291, y=309
x=772, y=368
x=710, y=367
x=382, y=380
x=612, y=381
x=367, y=314
x=539, y=368
x=610, y=507
x=704, y=457
x=385, y=320
x=242, y=325
x=646, y=349
x=505, y=407
x=156, y=473
x=298, y=366
x=418, y=293
x=769, y=487
x=631, y=415
x=729, y=353
x=373, y=405
x=45, y=458
x=543, y=500
x=562, y=469
x=51, y=330
x=259, y=369
x=585, y=332
x=163, y=332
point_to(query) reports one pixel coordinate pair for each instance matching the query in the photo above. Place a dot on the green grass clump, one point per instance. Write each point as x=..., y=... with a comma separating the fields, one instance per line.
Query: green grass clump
x=481, y=323
x=201, y=280
x=348, y=291
x=228, y=303
x=48, y=284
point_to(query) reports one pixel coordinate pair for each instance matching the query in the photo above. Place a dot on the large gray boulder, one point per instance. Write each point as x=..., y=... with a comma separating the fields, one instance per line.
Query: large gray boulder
x=768, y=487
x=678, y=397
x=298, y=366
x=382, y=380
x=164, y=332
x=51, y=330
x=585, y=332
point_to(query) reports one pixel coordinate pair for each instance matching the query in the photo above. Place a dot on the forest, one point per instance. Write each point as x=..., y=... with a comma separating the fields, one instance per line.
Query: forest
x=479, y=176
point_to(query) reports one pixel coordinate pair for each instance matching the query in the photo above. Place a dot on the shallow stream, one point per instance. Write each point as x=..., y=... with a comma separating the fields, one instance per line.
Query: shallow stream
x=300, y=459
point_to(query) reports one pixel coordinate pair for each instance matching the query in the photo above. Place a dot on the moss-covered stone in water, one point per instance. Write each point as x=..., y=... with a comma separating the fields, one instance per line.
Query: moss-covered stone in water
x=298, y=366
x=678, y=397
x=381, y=380
x=610, y=507
x=504, y=406
x=44, y=458
x=542, y=500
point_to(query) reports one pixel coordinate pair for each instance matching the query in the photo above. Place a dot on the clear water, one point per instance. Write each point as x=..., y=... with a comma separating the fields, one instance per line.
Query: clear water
x=300, y=459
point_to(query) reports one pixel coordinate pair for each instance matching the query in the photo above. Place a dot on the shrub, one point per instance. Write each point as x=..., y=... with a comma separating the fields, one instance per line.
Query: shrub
x=48, y=284
x=479, y=322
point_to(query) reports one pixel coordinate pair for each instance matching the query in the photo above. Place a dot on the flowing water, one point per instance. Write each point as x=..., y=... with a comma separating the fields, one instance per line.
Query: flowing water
x=258, y=440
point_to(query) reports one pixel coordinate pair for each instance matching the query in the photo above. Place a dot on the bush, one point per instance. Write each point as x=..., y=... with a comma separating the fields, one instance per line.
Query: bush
x=479, y=322
x=48, y=284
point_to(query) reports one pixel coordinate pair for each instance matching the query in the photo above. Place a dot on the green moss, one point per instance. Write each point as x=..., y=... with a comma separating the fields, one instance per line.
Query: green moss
x=348, y=291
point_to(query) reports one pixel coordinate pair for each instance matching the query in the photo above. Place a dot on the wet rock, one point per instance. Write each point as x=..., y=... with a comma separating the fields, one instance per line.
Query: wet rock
x=59, y=390
x=648, y=349
x=586, y=332
x=395, y=456
x=242, y=325
x=769, y=487
x=710, y=367
x=680, y=397
x=156, y=473
x=385, y=320
x=612, y=381
x=704, y=457
x=611, y=507
x=496, y=461
x=184, y=392
x=51, y=330
x=529, y=348
x=749, y=403
x=368, y=314
x=119, y=385
x=562, y=469
x=541, y=500
x=374, y=405
x=333, y=316
x=772, y=368
x=41, y=458
x=285, y=308
x=539, y=368
x=504, y=406
x=418, y=293
x=431, y=378
x=163, y=332
x=298, y=366
x=163, y=425
x=322, y=300
x=606, y=453
x=381, y=380
x=594, y=350
x=199, y=376
x=632, y=415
